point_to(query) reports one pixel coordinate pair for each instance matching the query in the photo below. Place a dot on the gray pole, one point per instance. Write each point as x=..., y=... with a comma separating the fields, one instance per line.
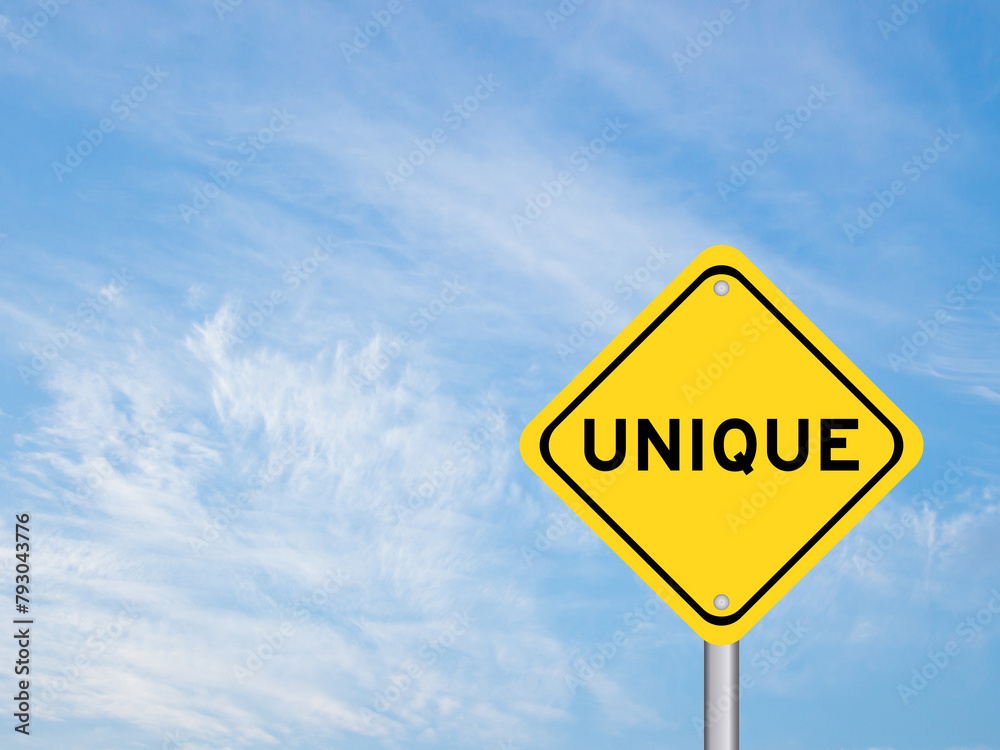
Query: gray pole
x=722, y=697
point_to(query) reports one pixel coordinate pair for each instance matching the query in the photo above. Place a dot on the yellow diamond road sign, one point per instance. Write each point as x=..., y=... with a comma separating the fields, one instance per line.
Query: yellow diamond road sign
x=721, y=445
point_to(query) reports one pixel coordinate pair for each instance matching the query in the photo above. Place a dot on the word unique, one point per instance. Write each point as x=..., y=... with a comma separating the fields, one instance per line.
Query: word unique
x=670, y=450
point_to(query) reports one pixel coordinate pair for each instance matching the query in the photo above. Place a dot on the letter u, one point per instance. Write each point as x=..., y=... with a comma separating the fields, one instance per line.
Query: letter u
x=588, y=446
x=772, y=446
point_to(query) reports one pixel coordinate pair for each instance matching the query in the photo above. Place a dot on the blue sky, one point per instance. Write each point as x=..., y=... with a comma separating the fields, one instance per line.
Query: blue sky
x=272, y=328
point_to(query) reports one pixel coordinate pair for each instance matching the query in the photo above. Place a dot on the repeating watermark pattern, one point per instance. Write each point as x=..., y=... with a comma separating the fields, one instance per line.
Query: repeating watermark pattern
x=808, y=442
x=600, y=484
x=375, y=365
x=263, y=652
x=596, y=658
x=642, y=615
x=30, y=27
x=590, y=664
x=123, y=106
x=422, y=317
x=265, y=306
x=877, y=548
x=624, y=288
x=363, y=35
x=579, y=160
x=703, y=39
x=938, y=661
x=203, y=195
x=231, y=511
x=84, y=316
x=724, y=361
x=914, y=168
x=225, y=7
x=955, y=300
x=96, y=644
x=561, y=13
x=762, y=662
x=786, y=127
x=767, y=659
x=428, y=655
x=422, y=494
x=894, y=531
x=175, y=739
x=561, y=524
x=131, y=439
x=749, y=507
x=454, y=117
x=899, y=17
x=934, y=492
x=274, y=643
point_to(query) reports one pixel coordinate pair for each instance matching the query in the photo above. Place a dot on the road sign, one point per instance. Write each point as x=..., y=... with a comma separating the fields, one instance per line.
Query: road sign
x=721, y=445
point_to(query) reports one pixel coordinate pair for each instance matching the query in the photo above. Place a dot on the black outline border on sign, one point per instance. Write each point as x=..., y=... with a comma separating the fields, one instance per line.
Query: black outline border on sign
x=732, y=618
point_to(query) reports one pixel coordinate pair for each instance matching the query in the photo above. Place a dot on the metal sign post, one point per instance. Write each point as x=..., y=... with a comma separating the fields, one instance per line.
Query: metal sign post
x=722, y=697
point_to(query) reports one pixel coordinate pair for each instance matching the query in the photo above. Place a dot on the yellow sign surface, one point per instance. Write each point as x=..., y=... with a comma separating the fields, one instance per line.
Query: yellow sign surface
x=721, y=445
